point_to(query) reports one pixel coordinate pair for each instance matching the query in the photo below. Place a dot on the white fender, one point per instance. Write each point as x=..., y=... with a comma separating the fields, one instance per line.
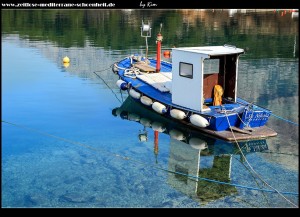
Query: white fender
x=176, y=134
x=134, y=94
x=122, y=84
x=197, y=143
x=146, y=122
x=178, y=114
x=158, y=127
x=118, y=111
x=146, y=100
x=198, y=120
x=133, y=117
x=159, y=108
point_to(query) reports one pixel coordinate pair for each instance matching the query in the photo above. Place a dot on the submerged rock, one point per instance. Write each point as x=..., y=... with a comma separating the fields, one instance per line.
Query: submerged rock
x=73, y=180
x=76, y=198
x=34, y=200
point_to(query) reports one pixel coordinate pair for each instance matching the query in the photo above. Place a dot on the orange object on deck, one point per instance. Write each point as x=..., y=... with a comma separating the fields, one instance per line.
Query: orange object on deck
x=218, y=93
x=167, y=54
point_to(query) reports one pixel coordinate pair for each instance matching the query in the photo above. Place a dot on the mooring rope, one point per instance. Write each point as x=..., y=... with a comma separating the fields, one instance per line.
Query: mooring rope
x=146, y=164
x=106, y=83
x=253, y=176
x=252, y=167
x=245, y=104
x=272, y=152
x=284, y=119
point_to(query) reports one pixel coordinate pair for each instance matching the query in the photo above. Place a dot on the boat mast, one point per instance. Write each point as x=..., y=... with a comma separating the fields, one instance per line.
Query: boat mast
x=158, y=49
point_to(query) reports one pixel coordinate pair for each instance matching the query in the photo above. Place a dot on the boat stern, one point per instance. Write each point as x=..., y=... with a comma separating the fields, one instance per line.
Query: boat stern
x=254, y=118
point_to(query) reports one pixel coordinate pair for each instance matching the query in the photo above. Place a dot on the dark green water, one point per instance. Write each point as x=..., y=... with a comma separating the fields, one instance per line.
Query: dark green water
x=69, y=150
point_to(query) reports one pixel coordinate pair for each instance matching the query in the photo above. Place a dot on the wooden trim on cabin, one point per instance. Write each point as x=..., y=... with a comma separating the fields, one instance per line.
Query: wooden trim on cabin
x=230, y=74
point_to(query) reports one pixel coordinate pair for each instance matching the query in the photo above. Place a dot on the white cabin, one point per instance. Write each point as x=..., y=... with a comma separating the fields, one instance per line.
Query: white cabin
x=196, y=70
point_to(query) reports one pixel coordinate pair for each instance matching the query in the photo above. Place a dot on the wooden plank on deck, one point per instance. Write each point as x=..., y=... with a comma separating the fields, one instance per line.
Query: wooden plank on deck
x=240, y=130
x=144, y=67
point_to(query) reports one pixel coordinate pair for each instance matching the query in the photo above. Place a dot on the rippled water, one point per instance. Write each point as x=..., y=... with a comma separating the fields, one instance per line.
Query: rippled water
x=70, y=138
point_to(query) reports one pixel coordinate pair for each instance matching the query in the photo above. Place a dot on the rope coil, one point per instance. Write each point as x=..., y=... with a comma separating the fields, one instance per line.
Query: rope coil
x=132, y=72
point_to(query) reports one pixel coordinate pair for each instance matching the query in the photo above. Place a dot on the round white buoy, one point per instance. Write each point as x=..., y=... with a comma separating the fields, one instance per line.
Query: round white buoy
x=66, y=59
x=134, y=94
x=159, y=108
x=197, y=143
x=118, y=111
x=146, y=122
x=176, y=134
x=158, y=127
x=122, y=84
x=146, y=100
x=198, y=120
x=134, y=117
x=177, y=114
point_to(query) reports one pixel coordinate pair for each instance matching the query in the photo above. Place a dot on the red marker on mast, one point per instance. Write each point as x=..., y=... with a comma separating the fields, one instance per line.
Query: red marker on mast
x=158, y=49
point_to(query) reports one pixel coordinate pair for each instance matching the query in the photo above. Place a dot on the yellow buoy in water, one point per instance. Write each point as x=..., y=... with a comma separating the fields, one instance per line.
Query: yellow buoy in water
x=66, y=65
x=66, y=59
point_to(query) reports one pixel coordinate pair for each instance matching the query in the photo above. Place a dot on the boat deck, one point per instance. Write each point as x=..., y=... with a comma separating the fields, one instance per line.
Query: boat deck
x=161, y=81
x=144, y=67
x=143, y=86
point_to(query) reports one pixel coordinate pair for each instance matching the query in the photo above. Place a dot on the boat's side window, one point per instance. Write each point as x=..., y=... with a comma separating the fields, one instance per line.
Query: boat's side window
x=211, y=66
x=186, y=70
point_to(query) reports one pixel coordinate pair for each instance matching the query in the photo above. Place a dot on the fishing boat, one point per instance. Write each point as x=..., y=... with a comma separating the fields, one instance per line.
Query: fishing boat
x=198, y=88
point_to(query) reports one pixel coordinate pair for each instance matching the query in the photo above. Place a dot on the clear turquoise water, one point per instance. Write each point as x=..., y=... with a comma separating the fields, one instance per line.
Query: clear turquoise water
x=63, y=147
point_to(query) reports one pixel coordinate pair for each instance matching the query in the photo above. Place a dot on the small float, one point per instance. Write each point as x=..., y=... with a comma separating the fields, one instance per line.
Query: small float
x=198, y=89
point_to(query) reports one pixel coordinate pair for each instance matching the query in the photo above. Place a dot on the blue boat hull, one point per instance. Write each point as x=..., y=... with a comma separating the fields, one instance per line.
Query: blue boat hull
x=239, y=114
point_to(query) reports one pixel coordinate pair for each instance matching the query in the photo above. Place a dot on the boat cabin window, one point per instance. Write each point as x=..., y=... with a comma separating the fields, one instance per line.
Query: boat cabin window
x=211, y=66
x=186, y=70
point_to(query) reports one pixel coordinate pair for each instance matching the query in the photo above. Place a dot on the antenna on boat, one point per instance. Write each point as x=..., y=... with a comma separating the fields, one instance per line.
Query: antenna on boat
x=146, y=32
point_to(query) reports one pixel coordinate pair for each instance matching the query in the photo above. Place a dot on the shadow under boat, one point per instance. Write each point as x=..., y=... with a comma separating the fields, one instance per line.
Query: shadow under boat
x=134, y=111
x=192, y=153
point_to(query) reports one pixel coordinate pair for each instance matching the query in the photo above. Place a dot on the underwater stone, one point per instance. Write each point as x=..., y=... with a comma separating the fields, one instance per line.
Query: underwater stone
x=76, y=198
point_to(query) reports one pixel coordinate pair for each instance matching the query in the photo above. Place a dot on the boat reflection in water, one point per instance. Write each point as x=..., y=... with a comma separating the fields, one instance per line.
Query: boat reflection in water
x=192, y=154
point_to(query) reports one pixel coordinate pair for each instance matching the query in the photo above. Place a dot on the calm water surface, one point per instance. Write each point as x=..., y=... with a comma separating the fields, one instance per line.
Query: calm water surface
x=70, y=138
